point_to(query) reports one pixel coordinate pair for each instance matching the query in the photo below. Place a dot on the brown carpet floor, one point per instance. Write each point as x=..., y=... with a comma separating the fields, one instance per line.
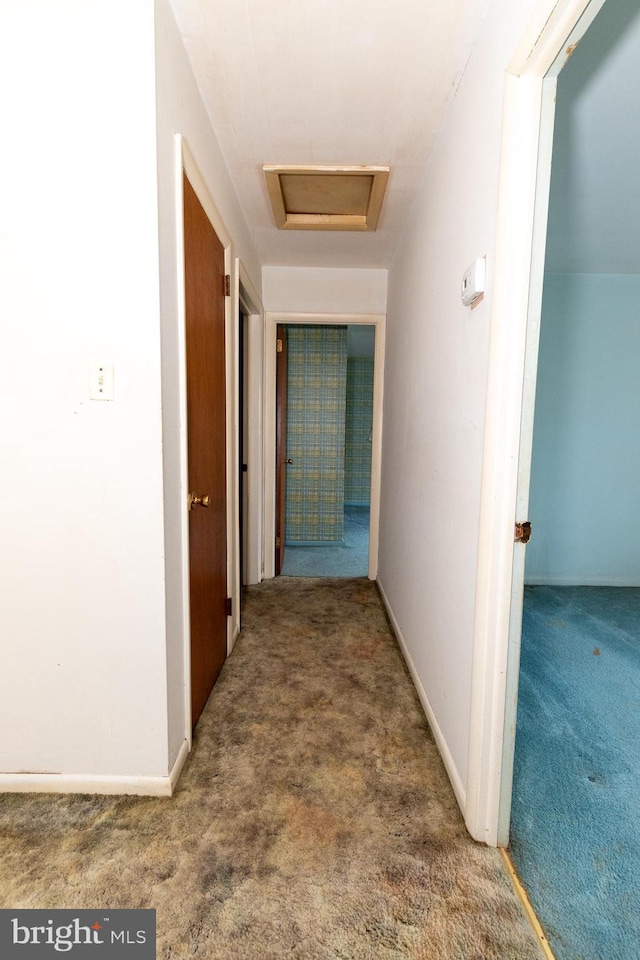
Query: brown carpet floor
x=313, y=820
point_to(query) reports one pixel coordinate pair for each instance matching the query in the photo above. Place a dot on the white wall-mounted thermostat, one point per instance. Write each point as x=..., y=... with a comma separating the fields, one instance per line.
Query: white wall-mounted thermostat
x=473, y=281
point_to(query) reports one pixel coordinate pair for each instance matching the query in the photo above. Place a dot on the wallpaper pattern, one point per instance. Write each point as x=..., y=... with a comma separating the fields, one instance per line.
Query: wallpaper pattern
x=316, y=397
x=359, y=422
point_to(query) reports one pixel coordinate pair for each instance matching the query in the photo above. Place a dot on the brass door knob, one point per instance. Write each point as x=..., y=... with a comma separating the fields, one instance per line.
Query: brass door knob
x=193, y=500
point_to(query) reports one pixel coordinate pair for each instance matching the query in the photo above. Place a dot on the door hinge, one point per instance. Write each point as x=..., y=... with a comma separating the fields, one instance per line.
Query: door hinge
x=278, y=346
x=229, y=606
x=278, y=543
x=523, y=532
x=227, y=285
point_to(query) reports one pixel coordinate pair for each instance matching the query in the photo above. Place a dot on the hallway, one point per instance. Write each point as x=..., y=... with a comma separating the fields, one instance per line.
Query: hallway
x=314, y=818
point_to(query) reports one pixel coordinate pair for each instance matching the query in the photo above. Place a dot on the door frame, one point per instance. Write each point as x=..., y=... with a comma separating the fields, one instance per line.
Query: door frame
x=251, y=306
x=282, y=441
x=556, y=26
x=377, y=320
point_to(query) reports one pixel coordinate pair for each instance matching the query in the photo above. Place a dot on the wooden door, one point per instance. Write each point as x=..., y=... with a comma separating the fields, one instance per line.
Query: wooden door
x=281, y=444
x=206, y=437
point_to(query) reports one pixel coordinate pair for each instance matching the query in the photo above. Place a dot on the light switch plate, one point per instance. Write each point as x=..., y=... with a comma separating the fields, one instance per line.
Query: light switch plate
x=100, y=379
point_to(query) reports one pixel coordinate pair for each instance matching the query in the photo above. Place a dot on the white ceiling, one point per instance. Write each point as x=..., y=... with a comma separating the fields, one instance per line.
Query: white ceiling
x=594, y=211
x=328, y=81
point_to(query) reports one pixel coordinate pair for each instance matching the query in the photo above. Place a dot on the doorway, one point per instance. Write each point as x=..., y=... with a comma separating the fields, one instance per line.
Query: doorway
x=576, y=771
x=373, y=438
x=324, y=437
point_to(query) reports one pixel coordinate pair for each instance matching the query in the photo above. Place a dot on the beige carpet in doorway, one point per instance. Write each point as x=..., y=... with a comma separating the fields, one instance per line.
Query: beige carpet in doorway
x=313, y=821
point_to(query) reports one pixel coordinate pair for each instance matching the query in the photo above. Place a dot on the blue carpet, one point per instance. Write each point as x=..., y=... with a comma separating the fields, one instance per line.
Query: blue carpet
x=348, y=559
x=575, y=831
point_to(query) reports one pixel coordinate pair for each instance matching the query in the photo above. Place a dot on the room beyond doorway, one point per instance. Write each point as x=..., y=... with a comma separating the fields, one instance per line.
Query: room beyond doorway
x=325, y=410
x=274, y=320
x=348, y=559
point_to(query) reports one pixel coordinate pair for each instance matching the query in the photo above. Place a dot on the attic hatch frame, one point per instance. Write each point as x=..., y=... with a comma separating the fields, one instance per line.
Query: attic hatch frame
x=326, y=197
x=553, y=31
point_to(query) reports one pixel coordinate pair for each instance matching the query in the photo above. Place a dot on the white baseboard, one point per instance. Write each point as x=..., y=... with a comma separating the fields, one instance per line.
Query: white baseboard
x=233, y=636
x=81, y=783
x=180, y=761
x=580, y=582
x=452, y=771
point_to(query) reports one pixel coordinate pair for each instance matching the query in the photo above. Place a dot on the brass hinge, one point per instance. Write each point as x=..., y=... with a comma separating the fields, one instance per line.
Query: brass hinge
x=229, y=606
x=278, y=346
x=227, y=285
x=278, y=543
x=523, y=532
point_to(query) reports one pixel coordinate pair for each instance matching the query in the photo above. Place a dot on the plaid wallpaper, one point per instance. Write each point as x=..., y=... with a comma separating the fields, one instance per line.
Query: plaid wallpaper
x=359, y=421
x=316, y=432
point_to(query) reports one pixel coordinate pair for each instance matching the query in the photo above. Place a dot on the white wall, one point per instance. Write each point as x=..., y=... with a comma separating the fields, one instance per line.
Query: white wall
x=324, y=290
x=594, y=206
x=586, y=458
x=180, y=111
x=435, y=388
x=83, y=678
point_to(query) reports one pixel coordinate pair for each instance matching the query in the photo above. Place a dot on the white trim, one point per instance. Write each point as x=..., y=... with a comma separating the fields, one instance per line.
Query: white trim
x=199, y=184
x=541, y=53
x=232, y=374
x=376, y=447
x=532, y=340
x=441, y=743
x=372, y=319
x=377, y=320
x=81, y=783
x=181, y=759
x=502, y=425
x=249, y=296
x=555, y=25
x=181, y=312
x=254, y=344
x=98, y=783
x=269, y=449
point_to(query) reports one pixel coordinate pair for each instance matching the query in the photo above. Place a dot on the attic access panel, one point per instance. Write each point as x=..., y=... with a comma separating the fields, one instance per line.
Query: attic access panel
x=326, y=197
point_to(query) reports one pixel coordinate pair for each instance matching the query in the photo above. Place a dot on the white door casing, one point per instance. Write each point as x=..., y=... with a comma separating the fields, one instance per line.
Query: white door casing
x=529, y=107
